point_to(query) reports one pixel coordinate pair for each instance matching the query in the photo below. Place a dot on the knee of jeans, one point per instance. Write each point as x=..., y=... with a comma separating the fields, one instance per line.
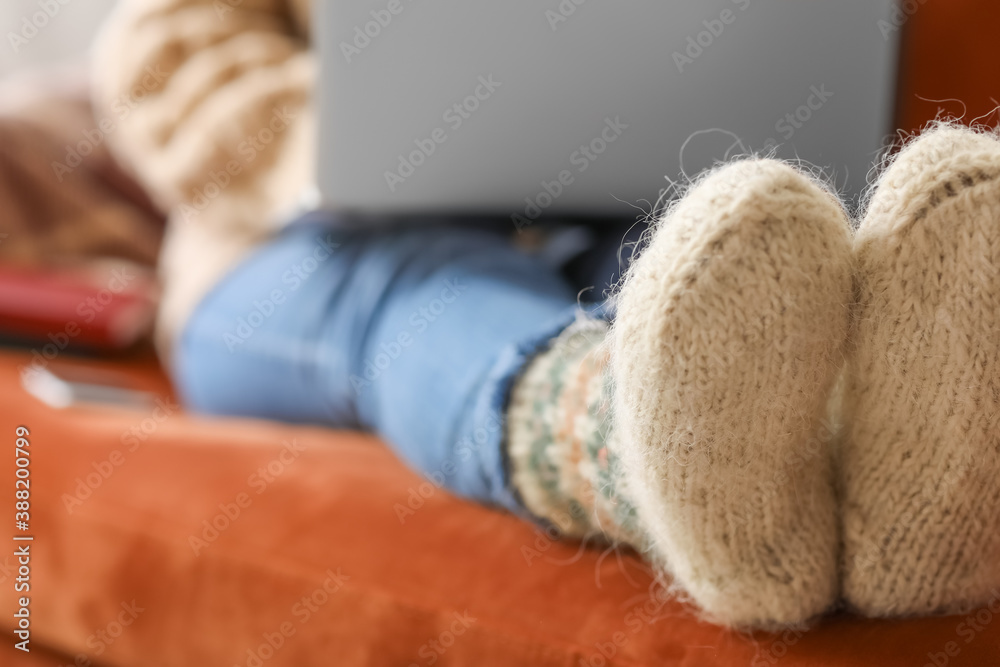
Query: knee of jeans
x=198, y=368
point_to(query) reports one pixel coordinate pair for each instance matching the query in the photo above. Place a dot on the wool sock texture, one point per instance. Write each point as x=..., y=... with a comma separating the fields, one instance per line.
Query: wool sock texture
x=729, y=337
x=920, y=469
x=559, y=427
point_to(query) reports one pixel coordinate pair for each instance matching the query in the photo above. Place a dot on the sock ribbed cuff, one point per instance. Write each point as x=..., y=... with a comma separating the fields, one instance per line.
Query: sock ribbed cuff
x=559, y=427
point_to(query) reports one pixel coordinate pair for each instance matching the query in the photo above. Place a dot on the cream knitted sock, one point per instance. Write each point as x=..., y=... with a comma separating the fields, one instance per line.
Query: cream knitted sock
x=727, y=342
x=559, y=427
x=921, y=461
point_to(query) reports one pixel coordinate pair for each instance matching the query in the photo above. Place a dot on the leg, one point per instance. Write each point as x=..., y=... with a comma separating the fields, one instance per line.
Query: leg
x=701, y=440
x=414, y=335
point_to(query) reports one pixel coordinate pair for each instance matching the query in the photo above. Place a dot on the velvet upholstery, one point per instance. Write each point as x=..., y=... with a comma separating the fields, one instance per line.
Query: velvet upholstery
x=37, y=657
x=331, y=514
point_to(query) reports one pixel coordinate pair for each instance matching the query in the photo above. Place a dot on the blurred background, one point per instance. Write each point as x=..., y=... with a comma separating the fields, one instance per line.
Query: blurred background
x=65, y=231
x=66, y=38
x=77, y=227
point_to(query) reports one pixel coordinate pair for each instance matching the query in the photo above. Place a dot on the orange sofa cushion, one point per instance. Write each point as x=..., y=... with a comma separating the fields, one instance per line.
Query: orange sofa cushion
x=326, y=550
x=36, y=657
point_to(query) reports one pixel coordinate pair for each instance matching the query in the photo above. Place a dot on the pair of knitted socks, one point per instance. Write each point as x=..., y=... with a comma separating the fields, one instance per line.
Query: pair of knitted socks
x=700, y=429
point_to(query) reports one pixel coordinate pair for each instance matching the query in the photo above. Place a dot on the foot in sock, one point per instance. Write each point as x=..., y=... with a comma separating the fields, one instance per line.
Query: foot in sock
x=728, y=338
x=921, y=460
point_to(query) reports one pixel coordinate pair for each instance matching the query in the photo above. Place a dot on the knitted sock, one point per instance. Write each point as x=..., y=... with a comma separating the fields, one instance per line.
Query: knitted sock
x=727, y=342
x=559, y=425
x=921, y=461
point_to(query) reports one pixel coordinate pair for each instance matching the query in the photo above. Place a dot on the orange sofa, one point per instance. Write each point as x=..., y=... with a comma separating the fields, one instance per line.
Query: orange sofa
x=162, y=538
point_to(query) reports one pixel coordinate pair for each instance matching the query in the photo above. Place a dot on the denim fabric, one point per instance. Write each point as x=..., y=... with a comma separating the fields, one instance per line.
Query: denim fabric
x=416, y=335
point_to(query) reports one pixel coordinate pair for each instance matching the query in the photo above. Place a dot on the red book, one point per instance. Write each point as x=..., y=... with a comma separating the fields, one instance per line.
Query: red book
x=104, y=306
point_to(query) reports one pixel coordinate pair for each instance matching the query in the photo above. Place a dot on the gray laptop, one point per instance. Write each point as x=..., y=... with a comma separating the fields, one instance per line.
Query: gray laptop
x=528, y=109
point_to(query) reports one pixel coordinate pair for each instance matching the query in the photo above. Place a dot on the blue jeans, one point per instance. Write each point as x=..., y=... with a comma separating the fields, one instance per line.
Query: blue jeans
x=416, y=335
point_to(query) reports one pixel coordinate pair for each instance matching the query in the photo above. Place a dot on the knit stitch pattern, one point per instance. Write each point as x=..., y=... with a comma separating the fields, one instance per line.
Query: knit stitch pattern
x=920, y=468
x=730, y=333
x=559, y=426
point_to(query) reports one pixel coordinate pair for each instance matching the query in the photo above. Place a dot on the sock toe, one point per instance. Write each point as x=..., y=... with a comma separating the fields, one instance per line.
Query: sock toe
x=728, y=338
x=921, y=458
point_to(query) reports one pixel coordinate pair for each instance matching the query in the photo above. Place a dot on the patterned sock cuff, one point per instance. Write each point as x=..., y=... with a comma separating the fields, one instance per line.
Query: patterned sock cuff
x=559, y=425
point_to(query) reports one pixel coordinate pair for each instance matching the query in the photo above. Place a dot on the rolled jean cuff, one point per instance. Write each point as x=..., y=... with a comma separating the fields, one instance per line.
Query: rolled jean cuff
x=496, y=399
